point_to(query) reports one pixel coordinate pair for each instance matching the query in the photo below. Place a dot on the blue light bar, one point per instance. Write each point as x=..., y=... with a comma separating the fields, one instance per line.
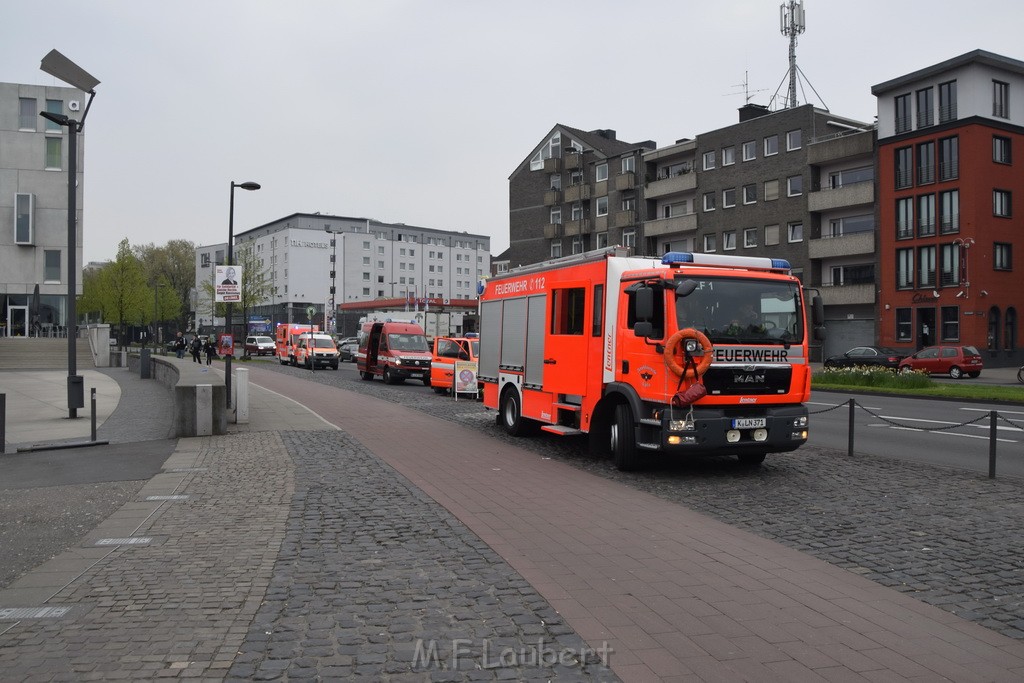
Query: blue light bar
x=676, y=258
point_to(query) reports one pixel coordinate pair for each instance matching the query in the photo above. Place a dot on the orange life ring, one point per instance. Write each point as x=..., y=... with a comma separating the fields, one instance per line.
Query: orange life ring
x=672, y=345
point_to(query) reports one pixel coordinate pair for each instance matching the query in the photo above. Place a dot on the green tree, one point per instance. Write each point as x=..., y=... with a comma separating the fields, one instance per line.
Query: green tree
x=173, y=265
x=123, y=293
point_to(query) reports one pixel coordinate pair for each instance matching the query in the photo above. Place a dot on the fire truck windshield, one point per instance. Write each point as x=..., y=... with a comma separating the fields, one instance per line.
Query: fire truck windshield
x=742, y=311
x=408, y=342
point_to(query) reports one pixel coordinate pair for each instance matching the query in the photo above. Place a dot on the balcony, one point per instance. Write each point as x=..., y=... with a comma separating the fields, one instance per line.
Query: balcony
x=552, y=230
x=667, y=226
x=577, y=193
x=845, y=295
x=682, y=182
x=552, y=165
x=577, y=227
x=552, y=197
x=622, y=219
x=841, y=146
x=841, y=197
x=573, y=161
x=625, y=181
x=843, y=245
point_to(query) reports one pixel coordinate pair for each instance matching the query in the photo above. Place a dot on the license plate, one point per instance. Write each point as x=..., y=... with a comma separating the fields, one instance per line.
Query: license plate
x=749, y=422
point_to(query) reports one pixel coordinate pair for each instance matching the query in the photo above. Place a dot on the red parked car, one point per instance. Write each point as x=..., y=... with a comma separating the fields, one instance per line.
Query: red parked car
x=956, y=361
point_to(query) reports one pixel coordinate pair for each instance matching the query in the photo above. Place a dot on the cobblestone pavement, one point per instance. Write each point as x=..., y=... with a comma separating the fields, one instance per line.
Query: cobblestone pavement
x=951, y=539
x=375, y=581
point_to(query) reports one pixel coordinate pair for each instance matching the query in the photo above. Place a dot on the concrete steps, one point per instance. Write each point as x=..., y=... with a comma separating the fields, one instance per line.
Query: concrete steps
x=42, y=353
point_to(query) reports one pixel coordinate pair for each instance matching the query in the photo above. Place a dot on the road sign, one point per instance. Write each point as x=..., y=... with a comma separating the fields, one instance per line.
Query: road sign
x=310, y=311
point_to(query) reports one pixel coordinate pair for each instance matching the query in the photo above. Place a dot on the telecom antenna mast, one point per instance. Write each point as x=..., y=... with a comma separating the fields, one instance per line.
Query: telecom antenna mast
x=792, y=23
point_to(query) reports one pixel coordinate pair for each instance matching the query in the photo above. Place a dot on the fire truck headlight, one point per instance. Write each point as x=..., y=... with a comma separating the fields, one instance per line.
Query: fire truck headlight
x=398, y=361
x=800, y=422
x=732, y=436
x=760, y=435
x=692, y=346
x=799, y=436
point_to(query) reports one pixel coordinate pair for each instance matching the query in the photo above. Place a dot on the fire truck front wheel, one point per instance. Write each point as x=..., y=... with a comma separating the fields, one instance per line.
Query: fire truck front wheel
x=623, y=439
x=510, y=413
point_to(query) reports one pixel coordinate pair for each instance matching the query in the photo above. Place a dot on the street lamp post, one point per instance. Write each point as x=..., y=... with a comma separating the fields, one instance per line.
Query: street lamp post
x=248, y=185
x=59, y=66
x=334, y=272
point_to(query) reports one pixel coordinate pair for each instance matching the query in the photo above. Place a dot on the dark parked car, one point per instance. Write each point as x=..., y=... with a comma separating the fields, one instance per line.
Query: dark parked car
x=347, y=350
x=954, y=360
x=867, y=355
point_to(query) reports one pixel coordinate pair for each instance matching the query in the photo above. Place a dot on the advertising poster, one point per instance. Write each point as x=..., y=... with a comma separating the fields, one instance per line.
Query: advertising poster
x=227, y=284
x=465, y=377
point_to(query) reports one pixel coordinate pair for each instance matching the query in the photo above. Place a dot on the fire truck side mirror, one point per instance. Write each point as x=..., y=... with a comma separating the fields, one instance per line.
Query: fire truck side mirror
x=644, y=303
x=818, y=311
x=820, y=334
x=643, y=329
x=685, y=287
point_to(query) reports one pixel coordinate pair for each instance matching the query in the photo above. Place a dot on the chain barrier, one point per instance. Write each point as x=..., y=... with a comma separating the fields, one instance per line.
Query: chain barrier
x=894, y=423
x=1009, y=421
x=827, y=410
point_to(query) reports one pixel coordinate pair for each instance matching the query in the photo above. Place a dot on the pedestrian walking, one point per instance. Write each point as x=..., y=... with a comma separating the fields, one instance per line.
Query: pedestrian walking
x=211, y=350
x=197, y=347
x=179, y=345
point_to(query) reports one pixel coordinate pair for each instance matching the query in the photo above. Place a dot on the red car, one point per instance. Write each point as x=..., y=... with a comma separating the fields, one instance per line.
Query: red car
x=954, y=360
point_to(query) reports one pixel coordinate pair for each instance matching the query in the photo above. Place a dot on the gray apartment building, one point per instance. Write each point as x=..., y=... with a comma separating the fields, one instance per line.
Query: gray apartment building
x=796, y=184
x=34, y=207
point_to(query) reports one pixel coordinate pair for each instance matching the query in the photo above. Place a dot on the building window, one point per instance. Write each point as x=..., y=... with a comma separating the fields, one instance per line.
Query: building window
x=1002, y=256
x=794, y=186
x=729, y=198
x=771, y=235
x=556, y=249
x=949, y=265
x=750, y=238
x=926, y=163
x=26, y=113
x=555, y=181
x=709, y=161
x=53, y=154
x=771, y=190
x=601, y=240
x=749, y=194
x=552, y=148
x=749, y=150
x=729, y=240
x=905, y=269
x=628, y=164
x=795, y=232
x=1001, y=99
x=949, y=211
x=728, y=156
x=629, y=203
x=1001, y=203
x=51, y=265
x=904, y=218
x=902, y=111
x=851, y=225
x=602, y=206
x=53, y=107
x=600, y=173
x=926, y=266
x=925, y=115
x=903, y=324
x=947, y=101
x=1000, y=149
x=366, y=260
x=850, y=176
x=1010, y=329
x=577, y=245
x=709, y=201
x=926, y=215
x=949, y=158
x=366, y=245
x=629, y=238
x=904, y=159
x=24, y=218
x=709, y=243
x=771, y=145
x=794, y=140
x=950, y=323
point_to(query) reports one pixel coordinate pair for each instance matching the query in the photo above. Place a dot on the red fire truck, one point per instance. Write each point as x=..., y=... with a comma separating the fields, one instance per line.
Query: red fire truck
x=687, y=354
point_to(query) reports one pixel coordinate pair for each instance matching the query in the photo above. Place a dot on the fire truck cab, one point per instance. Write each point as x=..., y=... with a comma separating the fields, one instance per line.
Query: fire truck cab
x=286, y=340
x=690, y=354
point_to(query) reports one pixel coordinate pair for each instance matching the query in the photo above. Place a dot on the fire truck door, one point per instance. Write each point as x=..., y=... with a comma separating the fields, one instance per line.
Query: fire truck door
x=567, y=340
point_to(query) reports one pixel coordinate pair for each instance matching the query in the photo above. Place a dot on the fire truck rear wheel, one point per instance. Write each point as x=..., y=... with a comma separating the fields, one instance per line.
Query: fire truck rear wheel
x=511, y=414
x=367, y=376
x=623, y=440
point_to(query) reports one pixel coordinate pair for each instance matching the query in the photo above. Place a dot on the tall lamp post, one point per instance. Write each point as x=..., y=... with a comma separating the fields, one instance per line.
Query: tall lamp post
x=59, y=66
x=334, y=272
x=248, y=185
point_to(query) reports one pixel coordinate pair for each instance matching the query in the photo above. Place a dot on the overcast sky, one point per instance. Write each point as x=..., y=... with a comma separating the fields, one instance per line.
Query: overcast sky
x=417, y=111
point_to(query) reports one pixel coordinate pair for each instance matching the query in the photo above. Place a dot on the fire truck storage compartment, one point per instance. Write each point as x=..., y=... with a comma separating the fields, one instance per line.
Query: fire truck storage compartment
x=515, y=329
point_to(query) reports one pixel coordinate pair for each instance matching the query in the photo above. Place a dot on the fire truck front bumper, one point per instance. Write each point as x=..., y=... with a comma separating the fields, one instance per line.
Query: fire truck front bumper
x=767, y=429
x=406, y=368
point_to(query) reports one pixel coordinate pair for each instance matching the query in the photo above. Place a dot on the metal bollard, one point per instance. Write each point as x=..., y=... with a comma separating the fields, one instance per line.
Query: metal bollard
x=92, y=394
x=241, y=386
x=992, y=444
x=849, y=446
x=3, y=422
